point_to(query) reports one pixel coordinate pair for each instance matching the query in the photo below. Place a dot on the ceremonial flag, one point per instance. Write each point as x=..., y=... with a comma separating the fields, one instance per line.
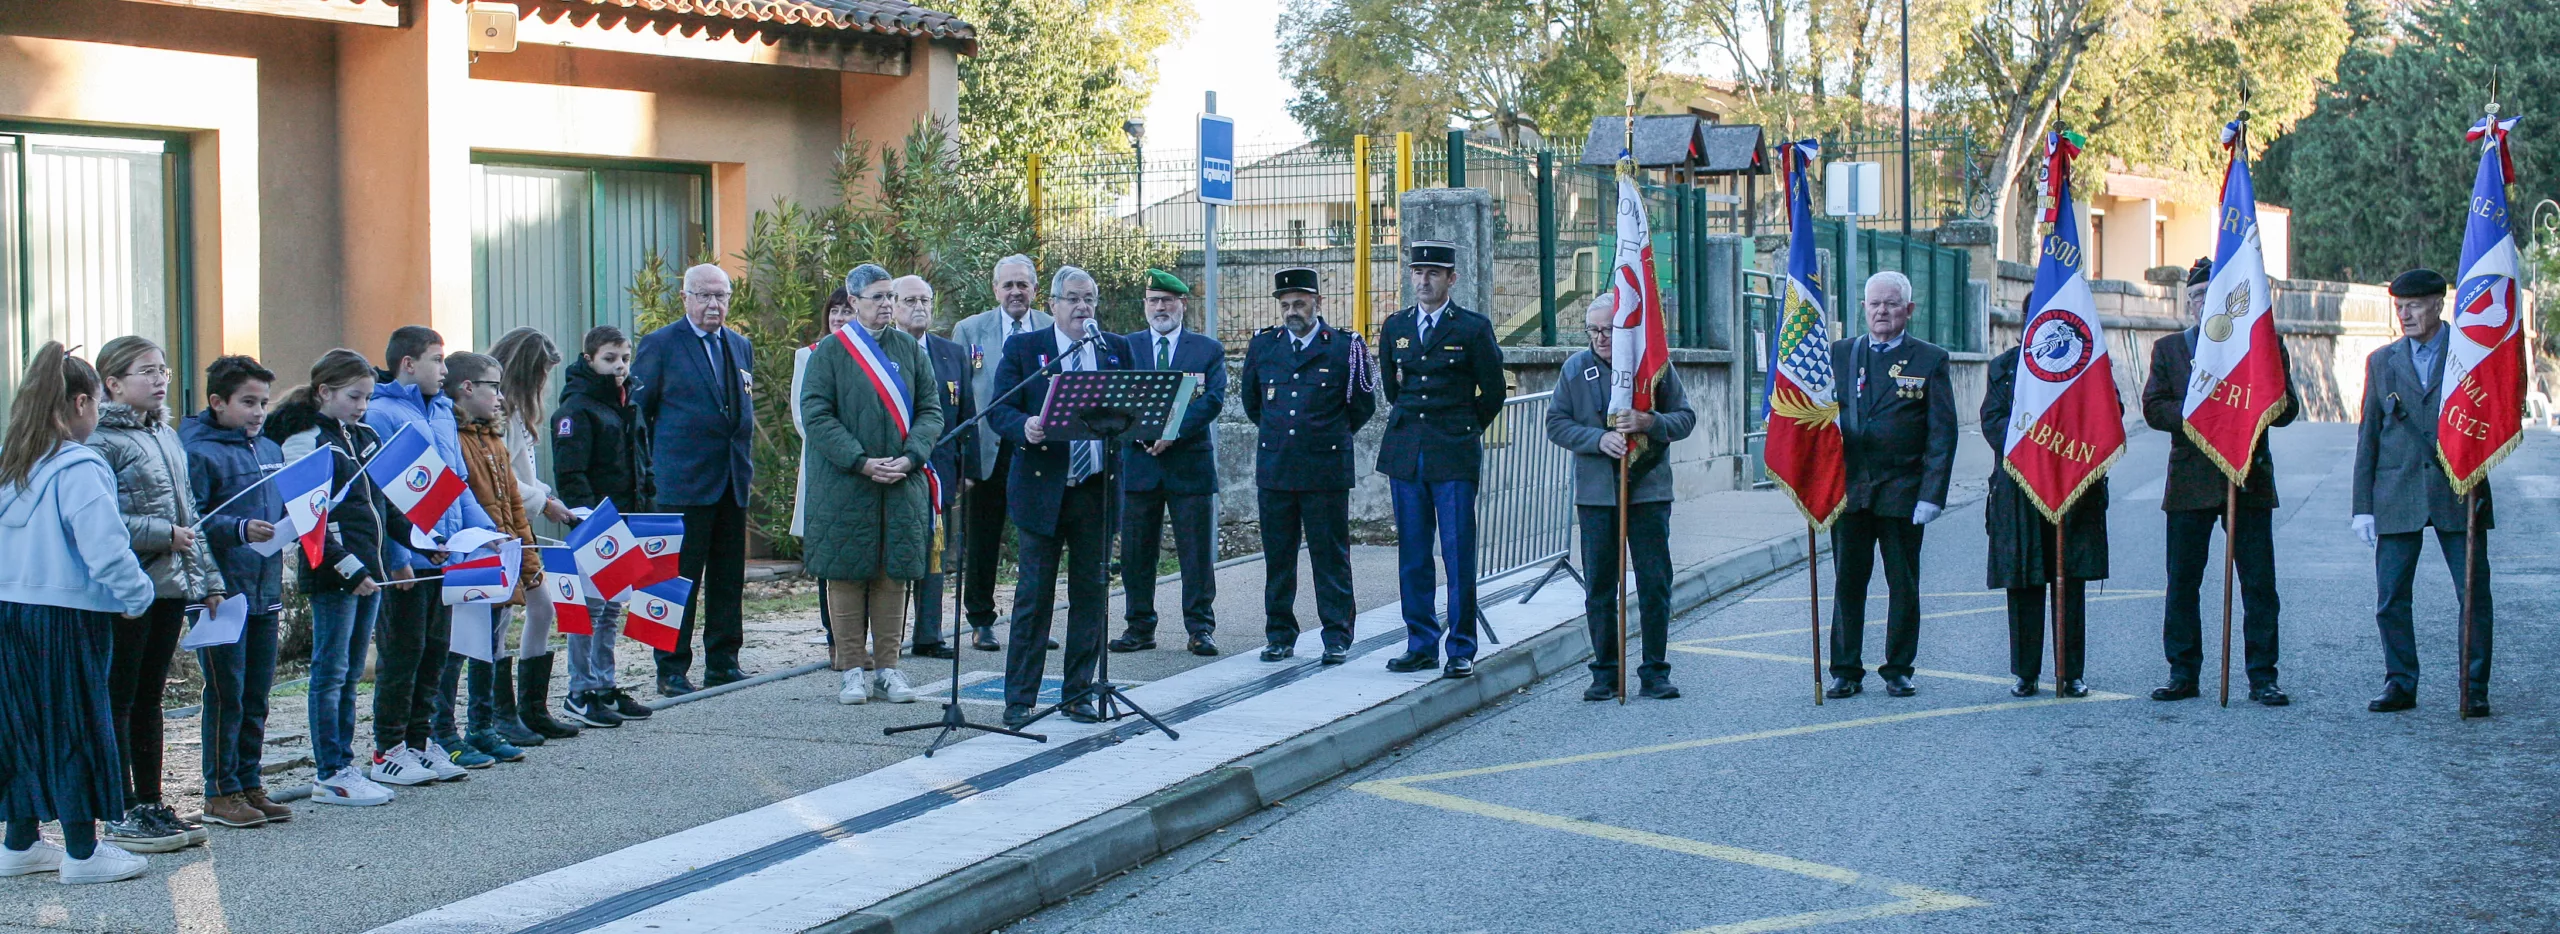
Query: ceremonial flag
x=2065, y=425
x=1638, y=352
x=607, y=554
x=2238, y=386
x=661, y=536
x=657, y=612
x=566, y=591
x=307, y=489
x=415, y=478
x=2481, y=416
x=479, y=580
x=1799, y=401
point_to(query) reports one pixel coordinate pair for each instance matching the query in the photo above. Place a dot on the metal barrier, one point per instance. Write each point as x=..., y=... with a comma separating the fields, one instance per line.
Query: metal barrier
x=1524, y=496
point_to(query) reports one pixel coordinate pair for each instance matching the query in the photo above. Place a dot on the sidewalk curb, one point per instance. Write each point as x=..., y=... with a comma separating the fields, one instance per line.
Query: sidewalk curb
x=1011, y=885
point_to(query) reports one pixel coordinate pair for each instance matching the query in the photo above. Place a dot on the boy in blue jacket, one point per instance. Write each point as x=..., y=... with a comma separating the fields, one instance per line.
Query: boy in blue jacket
x=226, y=455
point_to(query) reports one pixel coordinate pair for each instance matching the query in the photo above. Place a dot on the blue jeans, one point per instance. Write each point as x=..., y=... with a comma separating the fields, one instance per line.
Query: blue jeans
x=591, y=656
x=341, y=627
x=237, y=678
x=1449, y=508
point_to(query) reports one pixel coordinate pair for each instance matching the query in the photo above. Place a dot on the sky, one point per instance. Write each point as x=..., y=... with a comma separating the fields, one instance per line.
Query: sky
x=1234, y=50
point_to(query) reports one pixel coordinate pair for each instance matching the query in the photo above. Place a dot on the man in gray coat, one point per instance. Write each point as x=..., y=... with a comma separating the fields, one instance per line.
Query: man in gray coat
x=1578, y=420
x=2400, y=490
x=983, y=335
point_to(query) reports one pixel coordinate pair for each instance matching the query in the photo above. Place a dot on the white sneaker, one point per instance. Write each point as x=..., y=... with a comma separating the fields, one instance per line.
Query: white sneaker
x=108, y=864
x=348, y=787
x=857, y=686
x=42, y=857
x=437, y=760
x=893, y=686
x=400, y=766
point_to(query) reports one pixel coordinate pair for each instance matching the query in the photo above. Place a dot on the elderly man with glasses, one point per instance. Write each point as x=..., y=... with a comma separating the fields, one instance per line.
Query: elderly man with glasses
x=1898, y=434
x=694, y=385
x=953, y=390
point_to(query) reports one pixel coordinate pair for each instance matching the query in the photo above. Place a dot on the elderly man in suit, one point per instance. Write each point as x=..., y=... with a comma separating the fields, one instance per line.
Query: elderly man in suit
x=1442, y=371
x=1898, y=435
x=1178, y=476
x=954, y=390
x=1309, y=389
x=2400, y=490
x=2194, y=498
x=983, y=336
x=1579, y=420
x=1057, y=498
x=697, y=396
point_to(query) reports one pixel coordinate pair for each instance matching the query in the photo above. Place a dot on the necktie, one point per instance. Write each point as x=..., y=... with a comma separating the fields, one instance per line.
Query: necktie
x=1429, y=322
x=718, y=351
x=1084, y=457
x=1164, y=352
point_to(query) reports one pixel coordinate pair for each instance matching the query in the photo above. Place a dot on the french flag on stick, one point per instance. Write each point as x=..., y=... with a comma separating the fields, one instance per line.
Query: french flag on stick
x=305, y=487
x=415, y=477
x=656, y=613
x=567, y=592
x=661, y=537
x=479, y=580
x=607, y=554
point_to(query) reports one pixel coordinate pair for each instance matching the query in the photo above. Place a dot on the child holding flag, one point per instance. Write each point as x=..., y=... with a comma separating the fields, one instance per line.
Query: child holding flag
x=417, y=631
x=479, y=404
x=599, y=453
x=228, y=465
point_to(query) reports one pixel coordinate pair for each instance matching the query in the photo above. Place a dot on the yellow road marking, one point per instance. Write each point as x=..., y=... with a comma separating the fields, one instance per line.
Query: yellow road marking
x=1928, y=672
x=1952, y=593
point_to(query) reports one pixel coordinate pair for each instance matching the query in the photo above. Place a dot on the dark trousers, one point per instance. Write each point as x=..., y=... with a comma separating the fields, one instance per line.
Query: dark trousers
x=985, y=534
x=2030, y=611
x=1142, y=515
x=1649, y=549
x=138, y=670
x=1855, y=541
x=2395, y=568
x=928, y=612
x=478, y=690
x=233, y=727
x=1324, y=518
x=1447, y=508
x=1086, y=545
x=715, y=559
x=411, y=644
x=2182, y=627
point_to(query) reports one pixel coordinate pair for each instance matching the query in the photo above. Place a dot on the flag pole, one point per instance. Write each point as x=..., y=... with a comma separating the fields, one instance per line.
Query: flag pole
x=2470, y=588
x=2056, y=584
x=1625, y=463
x=1813, y=603
x=2230, y=540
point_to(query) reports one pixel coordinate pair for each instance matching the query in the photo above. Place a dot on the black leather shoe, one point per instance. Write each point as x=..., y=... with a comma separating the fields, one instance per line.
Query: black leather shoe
x=985, y=639
x=1660, y=689
x=1017, y=716
x=1413, y=661
x=1133, y=642
x=936, y=650
x=2072, y=688
x=1336, y=656
x=1899, y=686
x=2393, y=698
x=2475, y=707
x=1843, y=687
x=2180, y=690
x=2026, y=687
x=1201, y=646
x=1053, y=645
x=1459, y=668
x=674, y=686
x=719, y=676
x=1600, y=690
x=2269, y=695
x=1278, y=651
x=1082, y=712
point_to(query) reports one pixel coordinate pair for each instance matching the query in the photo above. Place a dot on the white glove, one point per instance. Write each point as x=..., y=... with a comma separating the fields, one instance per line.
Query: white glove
x=1922, y=513
x=2363, y=525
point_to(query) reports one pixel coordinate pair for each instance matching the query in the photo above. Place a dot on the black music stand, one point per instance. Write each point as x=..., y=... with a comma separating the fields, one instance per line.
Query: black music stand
x=1103, y=406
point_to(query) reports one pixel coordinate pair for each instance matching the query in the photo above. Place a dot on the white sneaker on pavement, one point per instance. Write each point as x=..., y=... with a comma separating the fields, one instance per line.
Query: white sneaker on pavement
x=893, y=687
x=856, y=686
x=44, y=856
x=400, y=765
x=108, y=864
x=436, y=759
x=348, y=787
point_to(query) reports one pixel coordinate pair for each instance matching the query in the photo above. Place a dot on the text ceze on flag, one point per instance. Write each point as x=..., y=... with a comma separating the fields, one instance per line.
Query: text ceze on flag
x=657, y=613
x=567, y=592
x=414, y=477
x=2238, y=386
x=2480, y=417
x=2066, y=426
x=1800, y=401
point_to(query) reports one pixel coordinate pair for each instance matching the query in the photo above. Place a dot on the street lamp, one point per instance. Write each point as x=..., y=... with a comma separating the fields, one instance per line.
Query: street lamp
x=1137, y=130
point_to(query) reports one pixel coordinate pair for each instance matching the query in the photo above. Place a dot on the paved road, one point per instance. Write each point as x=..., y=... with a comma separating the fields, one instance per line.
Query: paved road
x=1745, y=808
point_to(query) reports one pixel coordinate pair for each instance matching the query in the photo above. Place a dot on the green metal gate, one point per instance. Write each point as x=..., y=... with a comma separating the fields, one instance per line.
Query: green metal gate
x=93, y=247
x=555, y=242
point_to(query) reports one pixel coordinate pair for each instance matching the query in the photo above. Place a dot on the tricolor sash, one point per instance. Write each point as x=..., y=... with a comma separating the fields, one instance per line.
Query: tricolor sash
x=882, y=373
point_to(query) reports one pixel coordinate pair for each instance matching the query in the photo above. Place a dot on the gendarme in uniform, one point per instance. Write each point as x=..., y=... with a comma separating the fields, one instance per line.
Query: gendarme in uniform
x=1442, y=372
x=1309, y=389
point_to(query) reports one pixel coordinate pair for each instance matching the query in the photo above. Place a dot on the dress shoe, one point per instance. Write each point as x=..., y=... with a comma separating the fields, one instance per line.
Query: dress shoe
x=1660, y=689
x=2475, y=707
x=1053, y=645
x=2180, y=690
x=985, y=639
x=1017, y=716
x=1413, y=661
x=1336, y=656
x=1459, y=668
x=1843, y=687
x=1600, y=690
x=2394, y=697
x=1133, y=642
x=2269, y=695
x=2026, y=687
x=1899, y=686
x=2072, y=688
x=674, y=686
x=719, y=676
x=1278, y=651
x=936, y=650
x=1082, y=712
x=1201, y=646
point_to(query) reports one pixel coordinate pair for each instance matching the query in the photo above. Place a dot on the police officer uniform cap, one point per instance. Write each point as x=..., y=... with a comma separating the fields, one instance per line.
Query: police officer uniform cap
x=1295, y=279
x=1441, y=253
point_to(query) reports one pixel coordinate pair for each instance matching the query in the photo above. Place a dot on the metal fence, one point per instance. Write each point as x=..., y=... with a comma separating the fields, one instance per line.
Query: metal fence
x=1524, y=496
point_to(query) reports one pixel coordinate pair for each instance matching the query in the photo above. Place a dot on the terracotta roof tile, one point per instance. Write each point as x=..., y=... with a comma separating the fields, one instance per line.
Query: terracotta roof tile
x=892, y=17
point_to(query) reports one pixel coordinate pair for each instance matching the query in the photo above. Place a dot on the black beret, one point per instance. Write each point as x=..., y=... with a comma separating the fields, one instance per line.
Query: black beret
x=1295, y=279
x=2201, y=272
x=1439, y=253
x=2418, y=283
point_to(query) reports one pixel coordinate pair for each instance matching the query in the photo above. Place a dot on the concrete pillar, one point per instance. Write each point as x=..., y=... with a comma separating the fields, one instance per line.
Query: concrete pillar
x=1463, y=216
x=405, y=174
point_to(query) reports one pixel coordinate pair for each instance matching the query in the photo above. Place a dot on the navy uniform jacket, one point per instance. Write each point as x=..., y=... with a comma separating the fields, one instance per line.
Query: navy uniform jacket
x=698, y=437
x=1308, y=406
x=959, y=404
x=1445, y=394
x=1898, y=433
x=1038, y=481
x=1190, y=466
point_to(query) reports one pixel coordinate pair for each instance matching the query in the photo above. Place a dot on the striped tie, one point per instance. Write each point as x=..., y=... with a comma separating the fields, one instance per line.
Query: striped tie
x=1084, y=458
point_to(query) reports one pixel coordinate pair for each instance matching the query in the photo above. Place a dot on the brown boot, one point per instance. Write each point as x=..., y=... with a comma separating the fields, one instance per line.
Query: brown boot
x=232, y=811
x=257, y=798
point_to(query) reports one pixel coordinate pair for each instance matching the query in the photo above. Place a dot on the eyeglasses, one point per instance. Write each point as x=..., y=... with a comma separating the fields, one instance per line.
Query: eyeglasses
x=150, y=371
x=1598, y=330
x=491, y=383
x=709, y=296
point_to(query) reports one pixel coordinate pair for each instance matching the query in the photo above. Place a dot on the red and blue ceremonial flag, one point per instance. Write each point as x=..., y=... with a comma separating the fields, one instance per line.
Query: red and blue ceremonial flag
x=567, y=592
x=479, y=580
x=1638, y=352
x=414, y=477
x=1800, y=401
x=607, y=554
x=306, y=487
x=2238, y=386
x=657, y=613
x=661, y=536
x=2066, y=426
x=2482, y=414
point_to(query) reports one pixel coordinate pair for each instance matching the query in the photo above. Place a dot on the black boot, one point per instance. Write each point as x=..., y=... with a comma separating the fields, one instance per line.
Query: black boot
x=533, y=698
x=502, y=700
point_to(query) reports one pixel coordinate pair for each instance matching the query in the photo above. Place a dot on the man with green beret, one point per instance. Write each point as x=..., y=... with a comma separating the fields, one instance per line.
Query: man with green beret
x=1178, y=476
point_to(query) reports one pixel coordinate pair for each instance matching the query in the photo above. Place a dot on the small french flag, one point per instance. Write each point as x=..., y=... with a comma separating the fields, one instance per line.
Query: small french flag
x=657, y=613
x=415, y=477
x=567, y=592
x=661, y=537
x=607, y=554
x=305, y=488
x=479, y=580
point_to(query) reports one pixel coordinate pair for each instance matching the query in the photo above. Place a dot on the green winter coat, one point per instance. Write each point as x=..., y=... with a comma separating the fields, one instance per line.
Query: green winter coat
x=858, y=529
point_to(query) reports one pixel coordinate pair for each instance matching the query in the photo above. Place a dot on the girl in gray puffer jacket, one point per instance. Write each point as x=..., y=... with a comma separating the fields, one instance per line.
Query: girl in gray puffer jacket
x=159, y=513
